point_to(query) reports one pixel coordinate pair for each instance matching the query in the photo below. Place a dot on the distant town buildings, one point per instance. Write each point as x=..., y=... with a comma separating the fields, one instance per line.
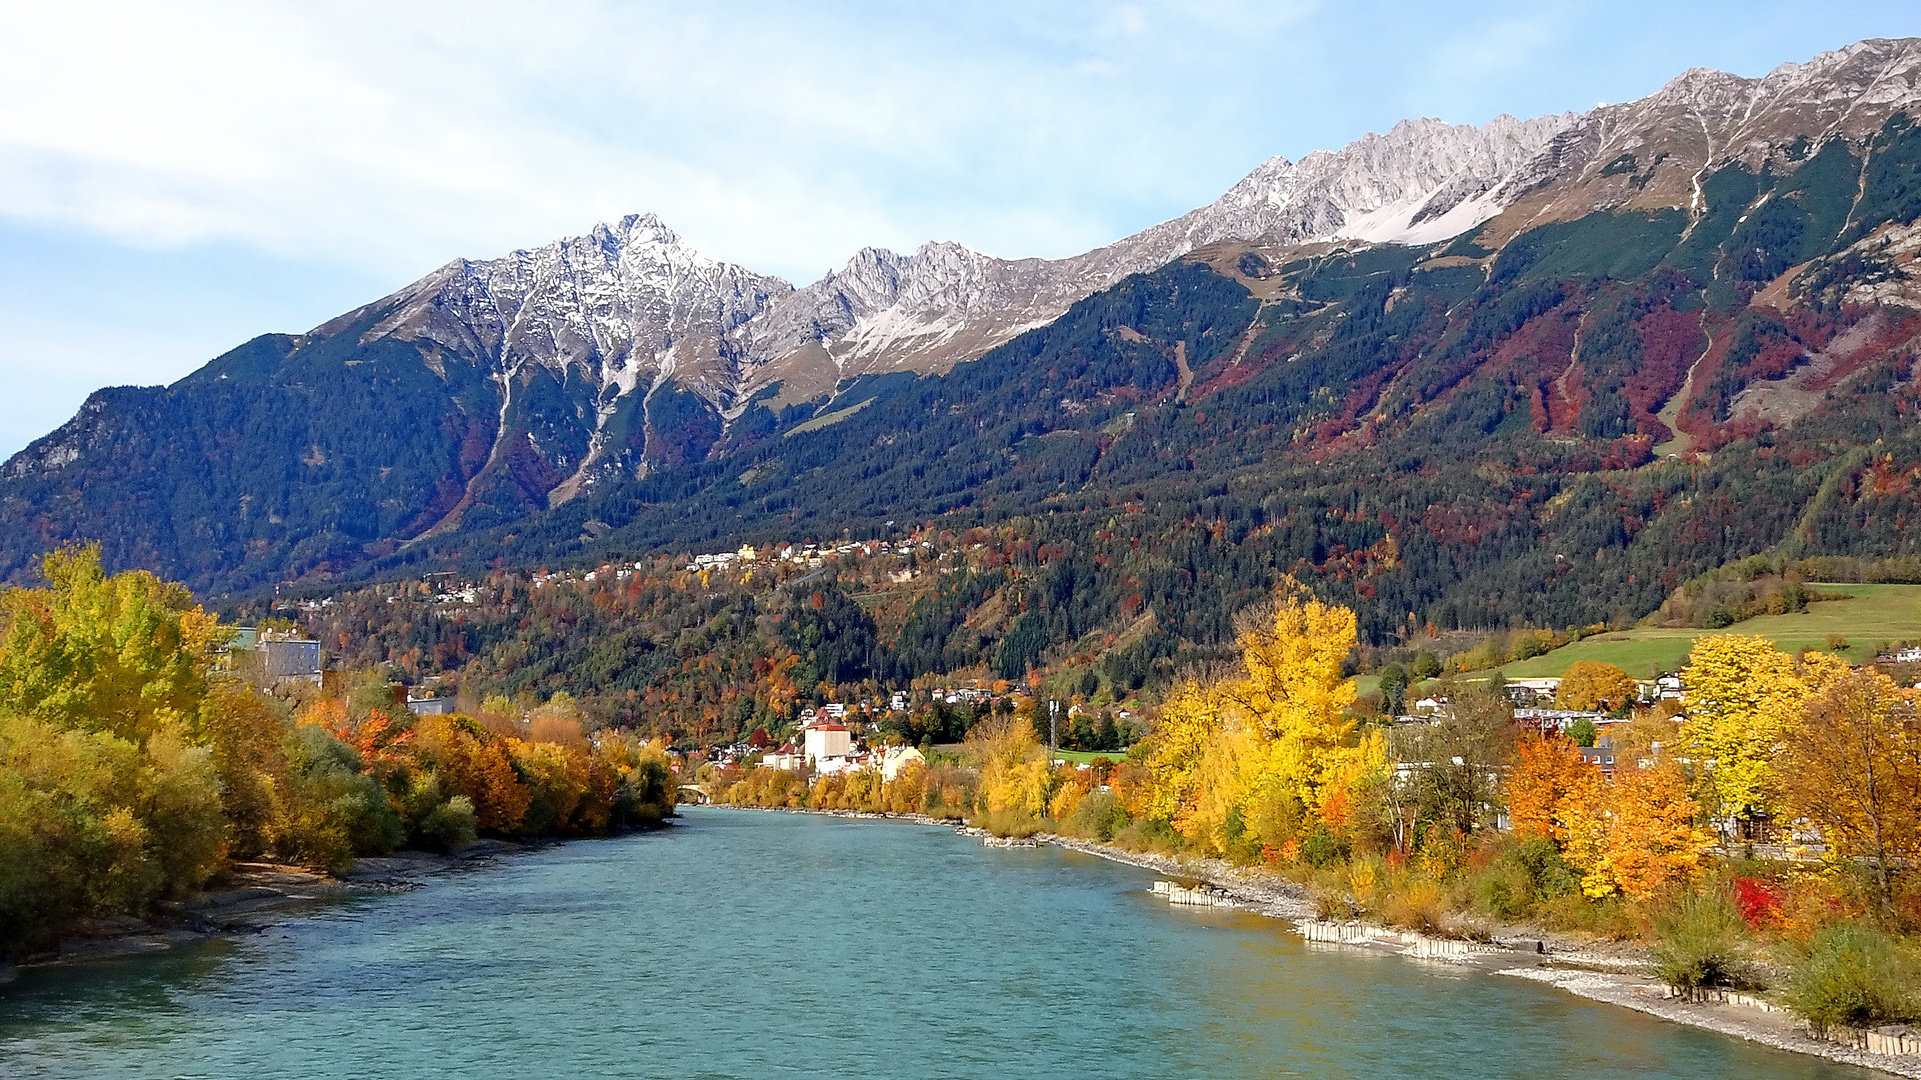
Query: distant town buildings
x=434, y=706
x=271, y=657
x=1532, y=691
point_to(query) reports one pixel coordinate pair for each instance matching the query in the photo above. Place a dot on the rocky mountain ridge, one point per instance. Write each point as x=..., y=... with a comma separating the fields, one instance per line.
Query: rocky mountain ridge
x=535, y=394
x=1423, y=181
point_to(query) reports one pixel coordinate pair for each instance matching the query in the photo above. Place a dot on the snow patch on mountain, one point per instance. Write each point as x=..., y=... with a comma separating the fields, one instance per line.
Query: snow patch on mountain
x=630, y=306
x=611, y=306
x=1422, y=182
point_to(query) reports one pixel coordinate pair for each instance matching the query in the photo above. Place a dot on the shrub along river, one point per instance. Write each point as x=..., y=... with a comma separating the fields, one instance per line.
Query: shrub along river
x=761, y=945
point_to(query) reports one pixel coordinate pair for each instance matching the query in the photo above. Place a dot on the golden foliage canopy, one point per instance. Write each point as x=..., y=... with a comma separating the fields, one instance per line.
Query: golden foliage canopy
x=126, y=653
x=1853, y=767
x=1239, y=748
x=1588, y=683
x=1743, y=695
x=1640, y=835
x=1551, y=789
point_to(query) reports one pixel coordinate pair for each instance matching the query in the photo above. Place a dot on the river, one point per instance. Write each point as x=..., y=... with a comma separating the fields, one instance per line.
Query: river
x=759, y=945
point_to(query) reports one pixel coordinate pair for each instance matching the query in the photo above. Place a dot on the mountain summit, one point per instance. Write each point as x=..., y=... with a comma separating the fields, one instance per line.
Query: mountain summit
x=1710, y=263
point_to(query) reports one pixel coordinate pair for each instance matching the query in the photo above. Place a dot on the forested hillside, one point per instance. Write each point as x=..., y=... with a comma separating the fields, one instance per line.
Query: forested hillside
x=1450, y=436
x=1554, y=418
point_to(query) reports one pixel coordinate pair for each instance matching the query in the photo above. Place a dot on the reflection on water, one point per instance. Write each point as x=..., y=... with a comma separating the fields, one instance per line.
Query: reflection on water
x=768, y=945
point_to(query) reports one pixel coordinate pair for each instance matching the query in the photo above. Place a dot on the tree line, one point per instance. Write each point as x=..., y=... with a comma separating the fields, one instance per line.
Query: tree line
x=135, y=768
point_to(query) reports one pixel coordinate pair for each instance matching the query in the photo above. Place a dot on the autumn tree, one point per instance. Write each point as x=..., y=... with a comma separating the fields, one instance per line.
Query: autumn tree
x=474, y=763
x=126, y=653
x=248, y=731
x=1014, y=773
x=1633, y=835
x=1551, y=788
x=1271, y=743
x=1652, y=839
x=1853, y=767
x=1591, y=684
x=1453, y=765
x=1743, y=695
x=1190, y=722
x=91, y=824
x=1296, y=698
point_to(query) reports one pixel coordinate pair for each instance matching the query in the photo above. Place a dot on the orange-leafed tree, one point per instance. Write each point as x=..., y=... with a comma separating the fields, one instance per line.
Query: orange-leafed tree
x=379, y=741
x=1655, y=840
x=1854, y=769
x=1639, y=835
x=1551, y=788
x=472, y=761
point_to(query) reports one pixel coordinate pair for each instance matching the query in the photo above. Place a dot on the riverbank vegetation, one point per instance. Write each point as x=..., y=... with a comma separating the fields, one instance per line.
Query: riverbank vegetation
x=1469, y=823
x=134, y=768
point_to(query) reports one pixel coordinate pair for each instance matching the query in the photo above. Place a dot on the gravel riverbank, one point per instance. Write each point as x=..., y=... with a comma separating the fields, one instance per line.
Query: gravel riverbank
x=1599, y=971
x=1610, y=972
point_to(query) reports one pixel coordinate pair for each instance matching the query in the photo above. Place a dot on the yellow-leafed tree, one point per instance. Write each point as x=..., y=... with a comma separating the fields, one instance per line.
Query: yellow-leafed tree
x=1014, y=773
x=1190, y=723
x=1296, y=698
x=1243, y=748
x=126, y=653
x=1743, y=695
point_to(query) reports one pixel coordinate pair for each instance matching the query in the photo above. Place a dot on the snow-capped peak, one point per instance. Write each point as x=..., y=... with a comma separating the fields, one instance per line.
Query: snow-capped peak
x=610, y=305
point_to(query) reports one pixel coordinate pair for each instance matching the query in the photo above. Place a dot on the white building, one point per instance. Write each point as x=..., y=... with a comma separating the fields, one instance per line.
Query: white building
x=1546, y=720
x=825, y=740
x=786, y=757
x=895, y=760
x=1529, y=691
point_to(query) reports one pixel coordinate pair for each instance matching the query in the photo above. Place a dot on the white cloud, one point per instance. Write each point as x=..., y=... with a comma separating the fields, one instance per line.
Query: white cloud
x=407, y=134
x=367, y=143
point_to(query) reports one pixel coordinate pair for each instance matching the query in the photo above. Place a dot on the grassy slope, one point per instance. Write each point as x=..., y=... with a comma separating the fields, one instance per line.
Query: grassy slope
x=1086, y=757
x=1873, y=614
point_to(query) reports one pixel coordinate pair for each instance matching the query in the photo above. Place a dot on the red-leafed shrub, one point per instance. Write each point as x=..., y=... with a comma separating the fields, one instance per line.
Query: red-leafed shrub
x=1760, y=902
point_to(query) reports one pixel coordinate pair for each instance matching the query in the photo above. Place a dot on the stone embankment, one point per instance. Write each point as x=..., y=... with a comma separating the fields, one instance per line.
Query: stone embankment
x=1407, y=942
x=1198, y=896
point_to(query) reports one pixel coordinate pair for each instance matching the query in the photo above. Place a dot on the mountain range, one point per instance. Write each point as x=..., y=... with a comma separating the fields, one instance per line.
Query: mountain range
x=1460, y=349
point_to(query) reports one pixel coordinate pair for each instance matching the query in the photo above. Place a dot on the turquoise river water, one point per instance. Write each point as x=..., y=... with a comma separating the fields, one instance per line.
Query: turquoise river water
x=740, y=944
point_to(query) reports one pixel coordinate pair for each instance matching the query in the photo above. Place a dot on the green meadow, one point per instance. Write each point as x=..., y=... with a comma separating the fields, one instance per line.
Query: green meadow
x=1086, y=757
x=1872, y=615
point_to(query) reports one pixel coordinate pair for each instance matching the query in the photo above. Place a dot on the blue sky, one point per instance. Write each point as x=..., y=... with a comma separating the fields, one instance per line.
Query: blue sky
x=175, y=179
